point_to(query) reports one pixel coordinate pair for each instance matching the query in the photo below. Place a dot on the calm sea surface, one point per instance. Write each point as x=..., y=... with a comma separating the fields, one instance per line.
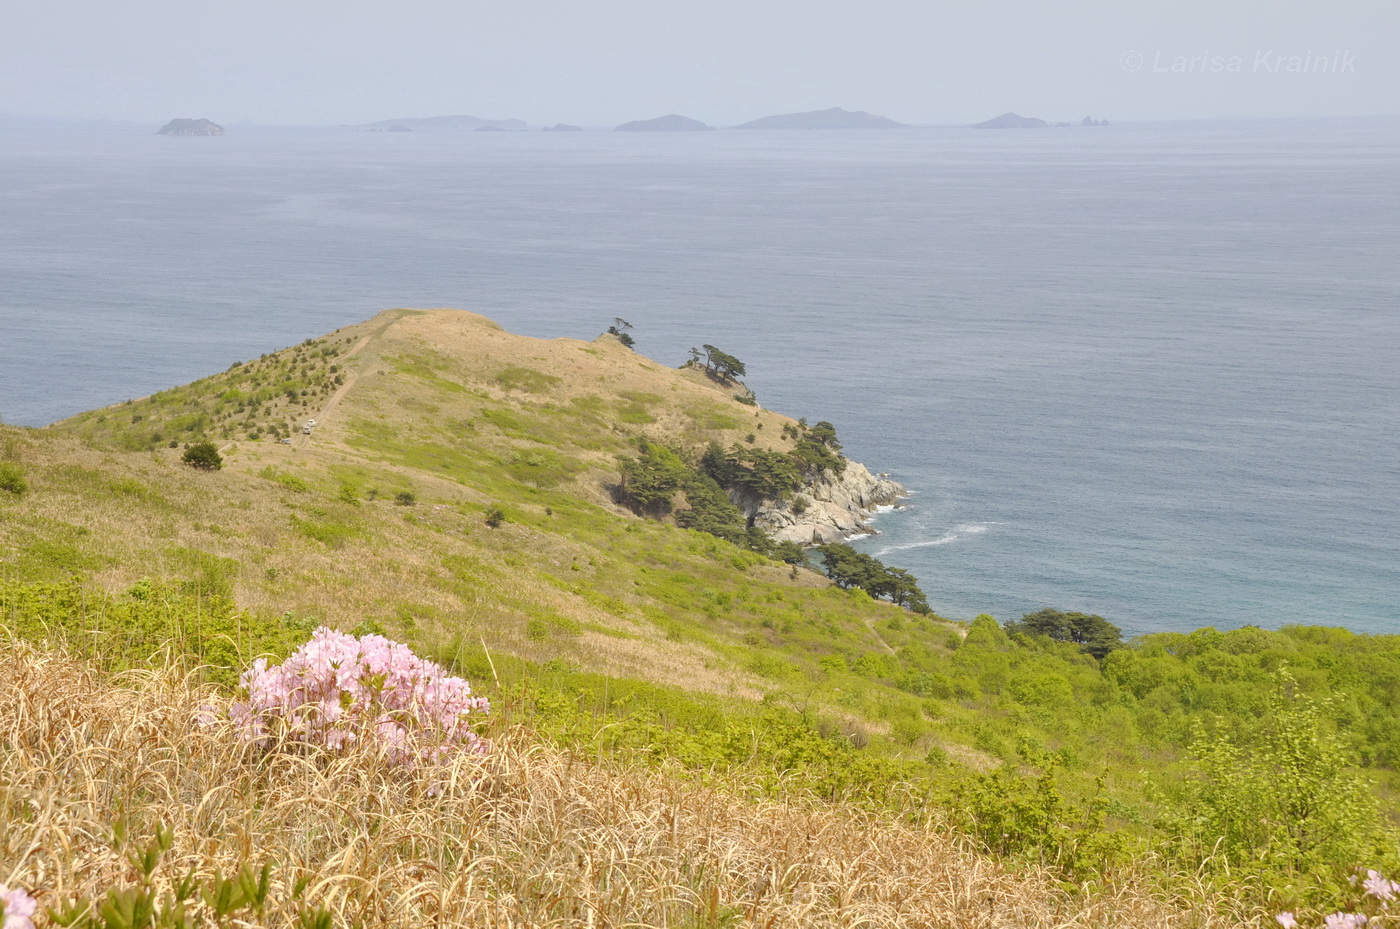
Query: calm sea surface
x=1148, y=371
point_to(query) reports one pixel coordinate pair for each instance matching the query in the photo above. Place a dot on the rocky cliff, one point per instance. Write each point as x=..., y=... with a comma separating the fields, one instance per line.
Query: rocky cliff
x=829, y=508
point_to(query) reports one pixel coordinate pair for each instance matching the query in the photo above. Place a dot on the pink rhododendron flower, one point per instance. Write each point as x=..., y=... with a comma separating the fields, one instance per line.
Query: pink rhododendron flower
x=337, y=689
x=1287, y=921
x=1345, y=921
x=1380, y=888
x=18, y=908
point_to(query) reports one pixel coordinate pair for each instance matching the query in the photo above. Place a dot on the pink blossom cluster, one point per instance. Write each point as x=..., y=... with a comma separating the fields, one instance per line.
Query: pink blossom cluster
x=1376, y=886
x=338, y=689
x=17, y=907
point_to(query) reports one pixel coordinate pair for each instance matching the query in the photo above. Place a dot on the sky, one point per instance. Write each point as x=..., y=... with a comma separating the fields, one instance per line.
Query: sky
x=721, y=61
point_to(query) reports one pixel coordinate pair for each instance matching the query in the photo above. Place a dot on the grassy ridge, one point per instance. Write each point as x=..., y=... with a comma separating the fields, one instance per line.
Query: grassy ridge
x=626, y=638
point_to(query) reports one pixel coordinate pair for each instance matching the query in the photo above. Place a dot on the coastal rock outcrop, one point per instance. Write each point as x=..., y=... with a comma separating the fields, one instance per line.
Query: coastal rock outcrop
x=191, y=127
x=829, y=508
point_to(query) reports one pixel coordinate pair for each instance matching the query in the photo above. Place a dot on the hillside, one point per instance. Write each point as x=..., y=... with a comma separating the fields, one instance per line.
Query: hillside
x=446, y=406
x=462, y=491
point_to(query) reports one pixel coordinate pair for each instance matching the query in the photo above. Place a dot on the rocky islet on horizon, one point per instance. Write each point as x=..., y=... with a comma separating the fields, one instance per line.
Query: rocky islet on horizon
x=833, y=118
x=1011, y=121
x=672, y=123
x=191, y=127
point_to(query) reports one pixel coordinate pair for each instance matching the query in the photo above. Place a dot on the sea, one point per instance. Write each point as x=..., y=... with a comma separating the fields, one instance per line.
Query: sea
x=1149, y=371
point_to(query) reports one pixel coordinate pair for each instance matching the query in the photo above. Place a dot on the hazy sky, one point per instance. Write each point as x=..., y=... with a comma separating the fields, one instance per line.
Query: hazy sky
x=722, y=61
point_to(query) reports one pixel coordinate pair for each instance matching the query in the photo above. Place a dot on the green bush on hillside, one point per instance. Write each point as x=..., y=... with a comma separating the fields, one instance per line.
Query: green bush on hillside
x=12, y=479
x=851, y=569
x=1284, y=807
x=203, y=456
x=650, y=480
x=1093, y=634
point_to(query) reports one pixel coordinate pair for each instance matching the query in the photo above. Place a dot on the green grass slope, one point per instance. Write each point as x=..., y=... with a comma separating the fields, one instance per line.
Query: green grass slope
x=622, y=635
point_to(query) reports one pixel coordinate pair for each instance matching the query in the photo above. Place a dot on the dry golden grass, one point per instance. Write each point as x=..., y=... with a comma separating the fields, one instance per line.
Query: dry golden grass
x=526, y=836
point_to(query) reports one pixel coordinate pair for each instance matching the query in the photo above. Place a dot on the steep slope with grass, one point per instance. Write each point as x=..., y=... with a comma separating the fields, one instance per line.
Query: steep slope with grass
x=447, y=410
x=459, y=492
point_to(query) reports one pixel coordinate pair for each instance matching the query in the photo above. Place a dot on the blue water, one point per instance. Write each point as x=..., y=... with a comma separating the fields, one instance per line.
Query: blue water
x=1149, y=371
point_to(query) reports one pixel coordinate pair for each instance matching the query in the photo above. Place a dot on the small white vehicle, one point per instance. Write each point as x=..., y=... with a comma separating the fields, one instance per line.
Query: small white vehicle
x=306, y=430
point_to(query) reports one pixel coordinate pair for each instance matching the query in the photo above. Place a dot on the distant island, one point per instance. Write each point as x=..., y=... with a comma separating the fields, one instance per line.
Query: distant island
x=562, y=127
x=1090, y=121
x=443, y=122
x=672, y=123
x=1012, y=121
x=834, y=118
x=191, y=127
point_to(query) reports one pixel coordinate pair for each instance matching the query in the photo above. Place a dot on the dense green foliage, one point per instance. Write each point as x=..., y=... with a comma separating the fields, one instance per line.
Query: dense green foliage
x=852, y=569
x=1093, y=634
x=652, y=482
x=717, y=364
x=767, y=475
x=817, y=449
x=194, y=621
x=12, y=479
x=203, y=456
x=1286, y=805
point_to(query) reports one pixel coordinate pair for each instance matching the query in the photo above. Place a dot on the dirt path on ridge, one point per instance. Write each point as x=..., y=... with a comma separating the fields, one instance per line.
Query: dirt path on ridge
x=301, y=439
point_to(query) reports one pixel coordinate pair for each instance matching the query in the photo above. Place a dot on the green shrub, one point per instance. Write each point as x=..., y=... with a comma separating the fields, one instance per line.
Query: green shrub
x=203, y=456
x=1285, y=807
x=12, y=479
